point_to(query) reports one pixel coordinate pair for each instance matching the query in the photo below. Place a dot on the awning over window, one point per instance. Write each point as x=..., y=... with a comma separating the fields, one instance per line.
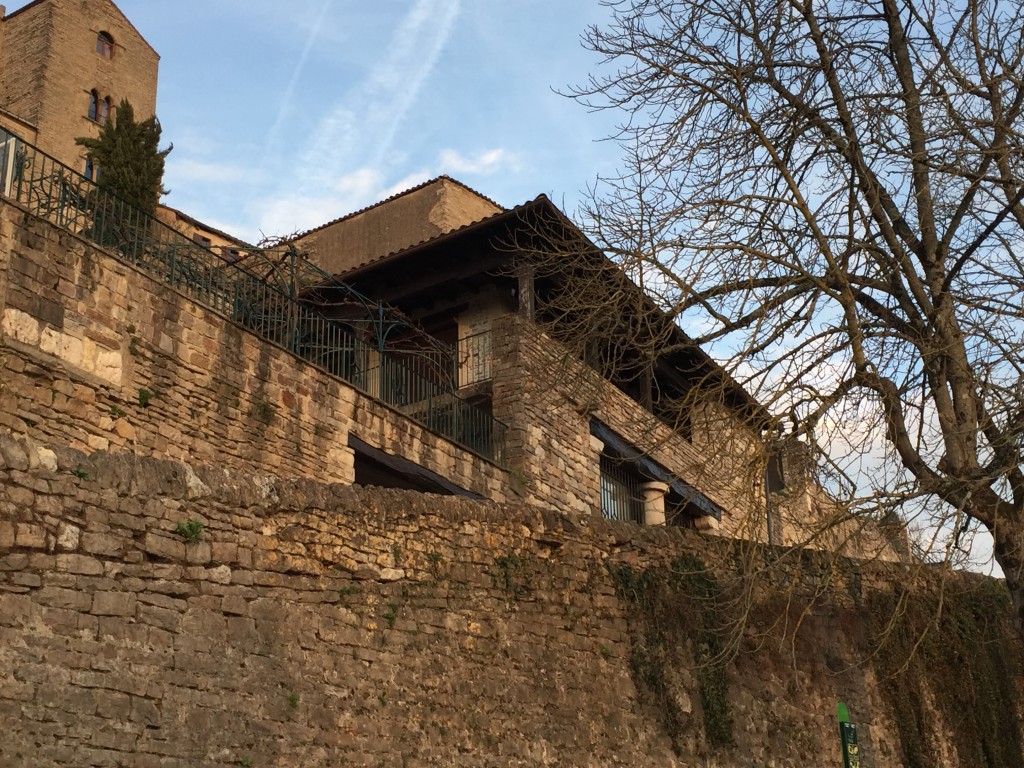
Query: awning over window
x=420, y=476
x=620, y=449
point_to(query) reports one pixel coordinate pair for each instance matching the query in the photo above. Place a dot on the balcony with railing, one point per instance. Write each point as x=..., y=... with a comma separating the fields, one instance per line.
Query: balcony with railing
x=274, y=293
x=473, y=358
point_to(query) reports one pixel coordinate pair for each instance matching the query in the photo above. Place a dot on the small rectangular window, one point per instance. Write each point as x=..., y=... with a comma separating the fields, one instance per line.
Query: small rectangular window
x=202, y=240
x=105, y=45
x=621, y=496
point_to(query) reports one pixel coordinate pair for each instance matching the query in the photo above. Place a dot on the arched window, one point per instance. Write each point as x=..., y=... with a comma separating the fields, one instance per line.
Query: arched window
x=94, y=104
x=104, y=111
x=105, y=45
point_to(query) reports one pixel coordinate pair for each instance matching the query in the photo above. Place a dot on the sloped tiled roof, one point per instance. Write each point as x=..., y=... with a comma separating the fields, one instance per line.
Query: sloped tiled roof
x=403, y=193
x=204, y=226
x=544, y=202
x=479, y=223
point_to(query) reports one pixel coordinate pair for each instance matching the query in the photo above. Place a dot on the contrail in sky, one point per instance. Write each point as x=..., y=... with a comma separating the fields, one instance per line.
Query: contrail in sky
x=300, y=65
x=359, y=131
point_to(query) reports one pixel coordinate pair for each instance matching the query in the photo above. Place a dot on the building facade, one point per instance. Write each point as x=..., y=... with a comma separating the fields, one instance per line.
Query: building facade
x=65, y=65
x=477, y=346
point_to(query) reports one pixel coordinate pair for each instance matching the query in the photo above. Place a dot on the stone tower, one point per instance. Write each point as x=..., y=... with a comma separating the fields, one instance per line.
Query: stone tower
x=65, y=65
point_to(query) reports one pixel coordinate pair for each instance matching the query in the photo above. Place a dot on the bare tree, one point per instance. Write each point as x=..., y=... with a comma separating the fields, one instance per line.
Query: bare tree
x=828, y=195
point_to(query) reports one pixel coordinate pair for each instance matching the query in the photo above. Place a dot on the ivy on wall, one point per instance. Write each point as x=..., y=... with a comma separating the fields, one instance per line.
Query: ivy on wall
x=678, y=624
x=945, y=654
x=955, y=646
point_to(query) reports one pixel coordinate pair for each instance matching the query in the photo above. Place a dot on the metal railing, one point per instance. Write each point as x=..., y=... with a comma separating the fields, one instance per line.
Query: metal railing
x=416, y=382
x=473, y=357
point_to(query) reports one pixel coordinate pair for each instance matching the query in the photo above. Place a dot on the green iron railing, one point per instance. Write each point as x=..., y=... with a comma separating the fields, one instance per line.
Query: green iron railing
x=271, y=293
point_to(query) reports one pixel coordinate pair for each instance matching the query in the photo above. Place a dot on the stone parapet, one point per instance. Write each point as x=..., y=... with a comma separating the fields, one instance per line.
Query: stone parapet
x=96, y=355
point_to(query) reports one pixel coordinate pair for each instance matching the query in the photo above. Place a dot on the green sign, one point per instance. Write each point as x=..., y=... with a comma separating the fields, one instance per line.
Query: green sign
x=848, y=734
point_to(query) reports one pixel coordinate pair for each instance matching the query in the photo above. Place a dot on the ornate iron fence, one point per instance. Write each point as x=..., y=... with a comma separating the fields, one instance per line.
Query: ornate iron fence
x=272, y=293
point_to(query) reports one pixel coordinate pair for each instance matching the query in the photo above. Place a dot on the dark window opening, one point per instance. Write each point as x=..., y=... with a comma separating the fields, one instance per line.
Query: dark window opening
x=374, y=473
x=681, y=512
x=624, y=469
x=202, y=240
x=376, y=467
x=94, y=104
x=92, y=170
x=775, y=480
x=105, y=45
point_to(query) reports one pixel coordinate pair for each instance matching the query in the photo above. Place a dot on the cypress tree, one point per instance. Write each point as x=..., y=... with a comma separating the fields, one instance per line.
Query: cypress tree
x=128, y=158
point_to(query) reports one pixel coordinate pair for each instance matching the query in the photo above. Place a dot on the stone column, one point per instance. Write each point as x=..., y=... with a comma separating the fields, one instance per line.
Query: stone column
x=706, y=523
x=654, y=502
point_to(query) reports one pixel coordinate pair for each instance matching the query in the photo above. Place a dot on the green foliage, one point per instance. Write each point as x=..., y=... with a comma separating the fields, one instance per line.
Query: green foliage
x=264, y=412
x=345, y=591
x=677, y=607
x=144, y=397
x=129, y=157
x=293, y=700
x=511, y=575
x=81, y=474
x=391, y=614
x=190, y=530
x=959, y=650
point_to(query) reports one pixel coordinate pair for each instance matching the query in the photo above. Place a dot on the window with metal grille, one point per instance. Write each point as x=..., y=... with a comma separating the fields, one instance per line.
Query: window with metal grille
x=621, y=497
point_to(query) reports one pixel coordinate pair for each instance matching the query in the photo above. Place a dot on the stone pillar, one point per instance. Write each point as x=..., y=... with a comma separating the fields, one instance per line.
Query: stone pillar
x=654, y=502
x=527, y=299
x=707, y=523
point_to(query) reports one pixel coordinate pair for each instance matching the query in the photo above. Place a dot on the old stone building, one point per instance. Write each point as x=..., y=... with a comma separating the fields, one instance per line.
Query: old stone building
x=648, y=429
x=65, y=65
x=441, y=312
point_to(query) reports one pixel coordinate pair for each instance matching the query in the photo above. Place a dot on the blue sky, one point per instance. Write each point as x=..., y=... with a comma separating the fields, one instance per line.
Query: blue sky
x=281, y=121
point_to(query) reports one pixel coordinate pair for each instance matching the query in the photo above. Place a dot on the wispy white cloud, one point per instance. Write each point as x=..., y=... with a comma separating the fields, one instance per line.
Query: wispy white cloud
x=349, y=153
x=361, y=129
x=482, y=163
x=305, y=209
x=408, y=182
x=199, y=171
x=300, y=65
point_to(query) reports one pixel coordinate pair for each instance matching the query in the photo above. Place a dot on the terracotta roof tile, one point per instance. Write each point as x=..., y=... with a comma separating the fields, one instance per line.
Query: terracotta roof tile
x=417, y=188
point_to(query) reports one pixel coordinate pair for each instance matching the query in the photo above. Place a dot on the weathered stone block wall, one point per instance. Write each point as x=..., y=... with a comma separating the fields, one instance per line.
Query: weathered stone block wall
x=24, y=61
x=549, y=398
x=94, y=354
x=315, y=624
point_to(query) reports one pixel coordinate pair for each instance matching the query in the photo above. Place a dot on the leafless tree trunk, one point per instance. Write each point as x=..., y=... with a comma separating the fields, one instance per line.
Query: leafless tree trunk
x=828, y=195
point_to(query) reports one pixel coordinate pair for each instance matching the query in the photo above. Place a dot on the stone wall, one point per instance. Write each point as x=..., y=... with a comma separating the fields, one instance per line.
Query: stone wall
x=325, y=625
x=94, y=354
x=549, y=398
